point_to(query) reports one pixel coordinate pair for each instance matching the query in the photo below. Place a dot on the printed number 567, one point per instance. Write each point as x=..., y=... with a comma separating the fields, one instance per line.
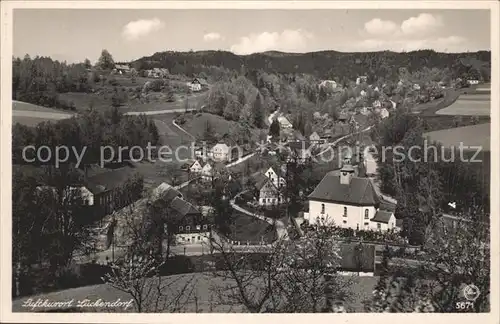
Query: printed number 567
x=464, y=305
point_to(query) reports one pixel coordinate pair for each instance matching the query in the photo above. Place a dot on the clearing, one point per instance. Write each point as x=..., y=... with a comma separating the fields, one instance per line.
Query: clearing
x=475, y=135
x=31, y=115
x=469, y=105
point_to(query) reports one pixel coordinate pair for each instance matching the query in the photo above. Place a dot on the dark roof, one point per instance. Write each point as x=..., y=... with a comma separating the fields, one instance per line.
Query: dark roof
x=261, y=180
x=170, y=194
x=183, y=208
x=201, y=81
x=359, y=191
x=109, y=180
x=382, y=216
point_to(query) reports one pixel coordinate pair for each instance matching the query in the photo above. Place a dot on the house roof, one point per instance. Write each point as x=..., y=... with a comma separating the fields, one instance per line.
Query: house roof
x=261, y=180
x=382, y=216
x=201, y=81
x=359, y=191
x=122, y=66
x=314, y=135
x=109, y=180
x=222, y=146
x=166, y=192
x=182, y=207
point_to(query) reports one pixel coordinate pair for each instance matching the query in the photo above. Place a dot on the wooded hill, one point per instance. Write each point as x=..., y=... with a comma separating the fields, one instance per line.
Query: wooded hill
x=325, y=64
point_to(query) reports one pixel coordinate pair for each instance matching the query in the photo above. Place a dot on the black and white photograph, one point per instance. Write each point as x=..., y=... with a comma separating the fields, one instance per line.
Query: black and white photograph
x=268, y=159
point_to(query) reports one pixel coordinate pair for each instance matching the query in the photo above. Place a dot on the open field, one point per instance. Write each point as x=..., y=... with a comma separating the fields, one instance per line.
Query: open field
x=202, y=285
x=475, y=104
x=476, y=135
x=195, y=124
x=84, y=101
x=430, y=108
x=31, y=115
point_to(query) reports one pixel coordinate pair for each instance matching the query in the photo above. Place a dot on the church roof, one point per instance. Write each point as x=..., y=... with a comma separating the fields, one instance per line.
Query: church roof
x=359, y=191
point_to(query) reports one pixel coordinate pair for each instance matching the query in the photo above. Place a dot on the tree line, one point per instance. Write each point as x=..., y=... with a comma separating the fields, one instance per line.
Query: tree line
x=424, y=189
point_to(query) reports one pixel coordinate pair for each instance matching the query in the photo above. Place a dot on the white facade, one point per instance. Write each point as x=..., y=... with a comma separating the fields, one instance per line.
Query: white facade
x=473, y=81
x=273, y=176
x=384, y=113
x=269, y=195
x=193, y=238
x=346, y=216
x=284, y=122
x=361, y=79
x=328, y=84
x=370, y=163
x=207, y=172
x=195, y=167
x=342, y=215
x=220, y=152
x=194, y=86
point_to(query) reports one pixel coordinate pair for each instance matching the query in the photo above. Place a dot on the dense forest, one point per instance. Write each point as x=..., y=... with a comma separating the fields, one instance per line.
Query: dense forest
x=326, y=64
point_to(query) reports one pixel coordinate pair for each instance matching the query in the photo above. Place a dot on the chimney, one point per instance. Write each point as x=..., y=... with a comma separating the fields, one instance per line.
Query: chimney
x=346, y=174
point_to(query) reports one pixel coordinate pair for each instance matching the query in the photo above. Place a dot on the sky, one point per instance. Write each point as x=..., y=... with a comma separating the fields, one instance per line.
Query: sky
x=75, y=34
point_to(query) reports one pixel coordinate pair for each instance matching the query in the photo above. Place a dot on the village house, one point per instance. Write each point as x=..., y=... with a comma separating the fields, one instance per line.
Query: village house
x=284, y=122
x=277, y=180
x=221, y=152
x=328, y=84
x=189, y=226
x=122, y=68
x=197, y=84
x=416, y=86
x=472, y=81
x=315, y=138
x=105, y=190
x=348, y=201
x=268, y=193
x=376, y=104
x=384, y=113
x=361, y=79
x=369, y=163
x=211, y=171
x=194, y=167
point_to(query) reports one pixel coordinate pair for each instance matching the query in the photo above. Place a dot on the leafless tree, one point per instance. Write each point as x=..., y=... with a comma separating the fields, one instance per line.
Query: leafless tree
x=286, y=276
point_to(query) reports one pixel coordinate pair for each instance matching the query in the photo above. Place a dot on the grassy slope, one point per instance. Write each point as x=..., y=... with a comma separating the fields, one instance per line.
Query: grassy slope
x=196, y=124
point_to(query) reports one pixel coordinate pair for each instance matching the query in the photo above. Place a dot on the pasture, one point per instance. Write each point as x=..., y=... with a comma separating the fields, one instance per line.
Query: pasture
x=31, y=115
x=475, y=135
x=469, y=105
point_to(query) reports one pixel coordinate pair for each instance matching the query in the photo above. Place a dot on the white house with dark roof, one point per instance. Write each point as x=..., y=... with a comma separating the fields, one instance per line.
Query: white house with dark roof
x=267, y=193
x=277, y=180
x=348, y=201
x=221, y=152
